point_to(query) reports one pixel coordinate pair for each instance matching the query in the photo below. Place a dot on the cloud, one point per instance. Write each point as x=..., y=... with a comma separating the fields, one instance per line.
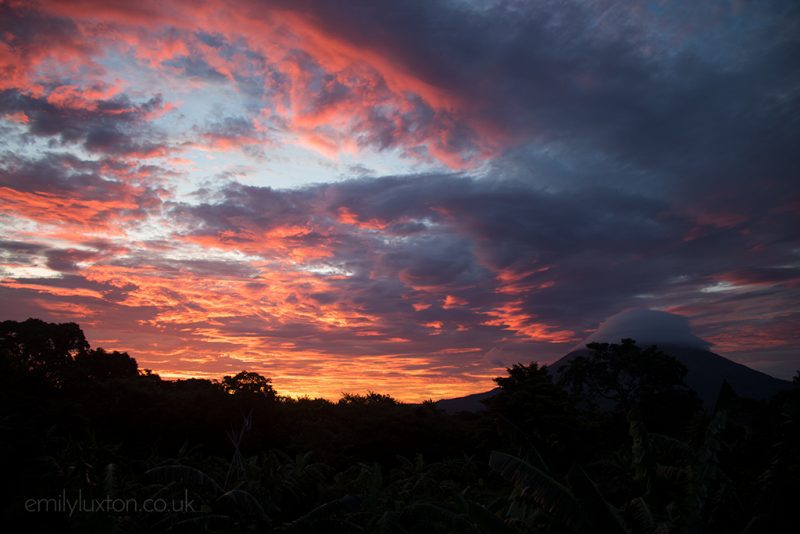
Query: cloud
x=114, y=127
x=647, y=327
x=537, y=167
x=325, y=91
x=489, y=263
x=526, y=261
x=70, y=193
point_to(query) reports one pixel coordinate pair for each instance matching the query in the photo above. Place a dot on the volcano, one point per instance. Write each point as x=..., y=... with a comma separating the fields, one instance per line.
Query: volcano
x=706, y=370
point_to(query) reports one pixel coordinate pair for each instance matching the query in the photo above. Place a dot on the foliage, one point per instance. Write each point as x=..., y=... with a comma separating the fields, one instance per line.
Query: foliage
x=544, y=457
x=623, y=374
x=249, y=384
x=40, y=349
x=617, y=378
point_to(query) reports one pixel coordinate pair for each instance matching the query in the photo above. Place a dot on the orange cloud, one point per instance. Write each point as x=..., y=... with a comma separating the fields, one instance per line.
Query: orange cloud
x=47, y=208
x=451, y=301
x=52, y=290
x=357, y=82
x=346, y=216
x=511, y=317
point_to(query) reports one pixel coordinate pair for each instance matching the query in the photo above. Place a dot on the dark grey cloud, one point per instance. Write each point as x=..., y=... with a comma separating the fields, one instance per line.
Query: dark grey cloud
x=195, y=67
x=646, y=157
x=234, y=206
x=30, y=32
x=66, y=260
x=575, y=256
x=682, y=99
x=60, y=174
x=61, y=188
x=115, y=127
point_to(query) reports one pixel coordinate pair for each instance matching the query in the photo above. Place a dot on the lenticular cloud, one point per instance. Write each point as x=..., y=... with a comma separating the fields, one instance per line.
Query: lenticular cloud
x=647, y=327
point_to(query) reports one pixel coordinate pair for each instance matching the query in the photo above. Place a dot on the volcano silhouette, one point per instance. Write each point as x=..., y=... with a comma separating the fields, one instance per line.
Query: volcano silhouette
x=706, y=371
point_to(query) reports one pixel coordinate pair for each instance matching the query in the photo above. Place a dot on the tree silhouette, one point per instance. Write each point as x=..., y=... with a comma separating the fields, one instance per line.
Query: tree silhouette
x=540, y=459
x=531, y=401
x=97, y=364
x=622, y=374
x=249, y=384
x=41, y=349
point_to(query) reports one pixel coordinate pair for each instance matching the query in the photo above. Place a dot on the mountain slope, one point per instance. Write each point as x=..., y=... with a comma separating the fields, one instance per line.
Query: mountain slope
x=707, y=371
x=468, y=403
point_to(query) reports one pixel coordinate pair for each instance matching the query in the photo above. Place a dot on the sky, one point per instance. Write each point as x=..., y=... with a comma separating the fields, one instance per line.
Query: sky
x=401, y=196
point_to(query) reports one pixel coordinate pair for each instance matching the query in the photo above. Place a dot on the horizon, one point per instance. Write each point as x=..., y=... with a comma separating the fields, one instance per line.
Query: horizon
x=629, y=324
x=403, y=197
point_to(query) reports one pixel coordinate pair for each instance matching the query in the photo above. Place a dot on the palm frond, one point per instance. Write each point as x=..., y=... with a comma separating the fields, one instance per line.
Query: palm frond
x=184, y=474
x=603, y=515
x=245, y=501
x=549, y=494
x=642, y=519
x=485, y=520
x=316, y=517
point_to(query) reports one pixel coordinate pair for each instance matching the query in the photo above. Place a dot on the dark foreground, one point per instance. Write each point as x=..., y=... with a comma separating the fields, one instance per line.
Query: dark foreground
x=615, y=443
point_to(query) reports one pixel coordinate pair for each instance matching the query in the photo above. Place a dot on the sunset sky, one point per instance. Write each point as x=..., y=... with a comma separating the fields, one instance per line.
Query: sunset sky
x=404, y=196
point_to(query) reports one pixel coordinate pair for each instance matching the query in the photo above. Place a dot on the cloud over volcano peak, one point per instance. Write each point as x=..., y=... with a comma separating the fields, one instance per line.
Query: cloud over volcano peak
x=647, y=327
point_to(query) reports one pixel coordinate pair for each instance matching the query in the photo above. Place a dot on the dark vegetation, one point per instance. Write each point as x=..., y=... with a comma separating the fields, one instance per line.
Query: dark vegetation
x=616, y=443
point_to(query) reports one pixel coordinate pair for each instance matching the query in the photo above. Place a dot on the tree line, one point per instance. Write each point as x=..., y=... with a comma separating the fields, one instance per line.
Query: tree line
x=616, y=443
